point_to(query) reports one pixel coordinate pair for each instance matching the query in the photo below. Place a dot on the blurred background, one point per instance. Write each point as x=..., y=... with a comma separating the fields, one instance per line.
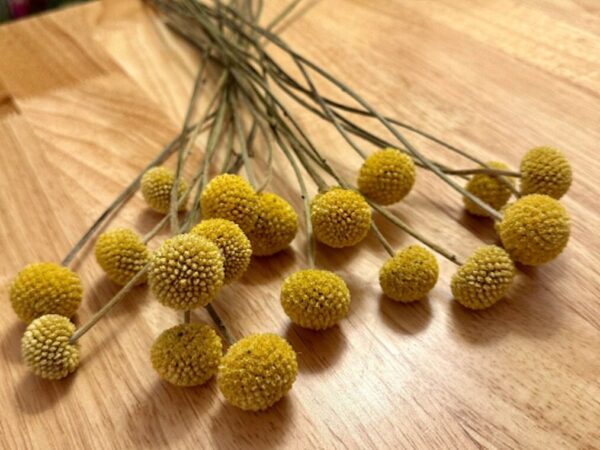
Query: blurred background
x=15, y=9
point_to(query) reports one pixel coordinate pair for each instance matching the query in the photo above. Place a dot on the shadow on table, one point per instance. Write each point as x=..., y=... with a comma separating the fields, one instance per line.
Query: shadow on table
x=406, y=318
x=317, y=350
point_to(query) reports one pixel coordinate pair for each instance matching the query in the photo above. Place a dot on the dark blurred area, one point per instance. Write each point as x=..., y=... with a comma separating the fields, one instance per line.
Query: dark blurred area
x=15, y=9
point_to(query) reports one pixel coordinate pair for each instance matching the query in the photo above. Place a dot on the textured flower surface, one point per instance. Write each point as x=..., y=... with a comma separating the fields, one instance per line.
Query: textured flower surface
x=233, y=243
x=484, y=278
x=409, y=275
x=45, y=288
x=276, y=226
x=230, y=197
x=186, y=272
x=545, y=170
x=156, y=186
x=340, y=217
x=489, y=189
x=46, y=349
x=386, y=176
x=121, y=254
x=257, y=371
x=187, y=354
x=534, y=230
x=315, y=299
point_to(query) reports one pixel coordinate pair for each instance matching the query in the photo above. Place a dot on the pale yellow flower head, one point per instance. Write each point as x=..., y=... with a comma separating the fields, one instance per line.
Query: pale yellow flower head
x=276, y=226
x=156, y=186
x=545, y=170
x=489, y=189
x=121, y=254
x=387, y=176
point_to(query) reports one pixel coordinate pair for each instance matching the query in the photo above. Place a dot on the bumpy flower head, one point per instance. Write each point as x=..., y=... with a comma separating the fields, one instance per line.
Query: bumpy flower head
x=257, y=371
x=45, y=288
x=121, y=254
x=484, y=279
x=489, y=189
x=315, y=299
x=157, y=184
x=186, y=272
x=230, y=197
x=409, y=275
x=545, y=170
x=46, y=349
x=187, y=354
x=276, y=226
x=233, y=243
x=340, y=217
x=387, y=176
x=534, y=230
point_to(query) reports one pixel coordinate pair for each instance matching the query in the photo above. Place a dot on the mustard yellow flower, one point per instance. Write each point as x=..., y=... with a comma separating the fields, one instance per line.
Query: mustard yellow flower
x=386, y=176
x=489, y=189
x=545, y=170
x=156, y=186
x=45, y=288
x=315, y=299
x=121, y=254
x=409, y=275
x=257, y=371
x=46, y=349
x=340, y=217
x=276, y=226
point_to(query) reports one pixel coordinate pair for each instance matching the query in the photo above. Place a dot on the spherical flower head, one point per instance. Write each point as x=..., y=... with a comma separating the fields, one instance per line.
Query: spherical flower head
x=187, y=354
x=387, y=176
x=186, y=272
x=340, y=217
x=230, y=197
x=121, y=254
x=232, y=242
x=45, y=288
x=489, y=189
x=484, y=279
x=157, y=184
x=257, y=371
x=534, y=230
x=545, y=170
x=276, y=226
x=409, y=275
x=315, y=299
x=46, y=349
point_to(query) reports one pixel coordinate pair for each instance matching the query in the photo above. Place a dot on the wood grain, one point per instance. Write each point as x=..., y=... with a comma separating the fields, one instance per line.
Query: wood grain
x=89, y=94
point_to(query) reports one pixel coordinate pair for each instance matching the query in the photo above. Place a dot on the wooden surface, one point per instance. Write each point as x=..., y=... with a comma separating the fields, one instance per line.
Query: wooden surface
x=89, y=94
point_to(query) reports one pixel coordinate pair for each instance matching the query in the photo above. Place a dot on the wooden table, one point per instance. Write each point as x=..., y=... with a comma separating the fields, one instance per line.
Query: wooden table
x=90, y=93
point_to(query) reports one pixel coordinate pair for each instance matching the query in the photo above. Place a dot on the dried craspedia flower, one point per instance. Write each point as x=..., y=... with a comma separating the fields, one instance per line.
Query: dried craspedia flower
x=45, y=288
x=340, y=217
x=230, y=197
x=157, y=184
x=121, y=254
x=545, y=170
x=186, y=272
x=484, y=279
x=46, y=349
x=187, y=354
x=315, y=299
x=233, y=243
x=489, y=189
x=386, y=176
x=276, y=226
x=534, y=230
x=409, y=275
x=257, y=371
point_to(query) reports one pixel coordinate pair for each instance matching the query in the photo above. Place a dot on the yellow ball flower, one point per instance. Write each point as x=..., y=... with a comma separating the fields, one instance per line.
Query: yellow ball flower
x=257, y=371
x=387, y=176
x=484, y=279
x=340, y=217
x=409, y=275
x=233, y=243
x=186, y=272
x=545, y=170
x=187, y=354
x=276, y=226
x=157, y=184
x=230, y=197
x=315, y=299
x=45, y=288
x=46, y=349
x=534, y=230
x=121, y=254
x=489, y=189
